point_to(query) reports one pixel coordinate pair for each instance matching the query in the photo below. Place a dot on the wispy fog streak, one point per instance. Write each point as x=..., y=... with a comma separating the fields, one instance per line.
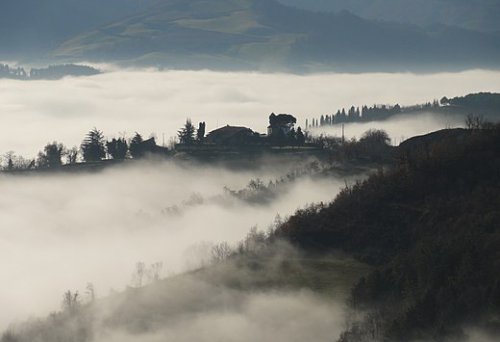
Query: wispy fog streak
x=60, y=232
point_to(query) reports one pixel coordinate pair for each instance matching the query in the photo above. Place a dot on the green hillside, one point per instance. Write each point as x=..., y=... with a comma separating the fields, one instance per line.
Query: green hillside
x=213, y=33
x=263, y=34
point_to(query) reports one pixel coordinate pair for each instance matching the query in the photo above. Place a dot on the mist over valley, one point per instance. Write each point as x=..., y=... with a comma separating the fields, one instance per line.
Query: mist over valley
x=249, y=170
x=95, y=228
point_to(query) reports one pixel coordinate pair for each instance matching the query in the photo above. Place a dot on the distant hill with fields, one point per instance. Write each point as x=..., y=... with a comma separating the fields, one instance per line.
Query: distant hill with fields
x=239, y=35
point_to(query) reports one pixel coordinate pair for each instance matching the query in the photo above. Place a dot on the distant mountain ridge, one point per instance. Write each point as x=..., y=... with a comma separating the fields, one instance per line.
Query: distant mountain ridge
x=267, y=35
x=483, y=15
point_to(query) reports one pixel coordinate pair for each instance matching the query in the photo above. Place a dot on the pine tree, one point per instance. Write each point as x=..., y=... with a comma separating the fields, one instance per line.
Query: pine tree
x=186, y=134
x=136, y=149
x=200, y=134
x=93, y=147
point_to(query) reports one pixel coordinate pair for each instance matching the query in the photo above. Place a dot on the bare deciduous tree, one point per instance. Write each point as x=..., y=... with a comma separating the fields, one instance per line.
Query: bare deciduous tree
x=474, y=121
x=90, y=291
x=71, y=301
x=139, y=274
x=72, y=155
x=144, y=275
x=15, y=162
x=221, y=251
x=154, y=272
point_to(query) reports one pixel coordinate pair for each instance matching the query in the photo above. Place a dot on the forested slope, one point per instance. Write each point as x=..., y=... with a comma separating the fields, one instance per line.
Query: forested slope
x=430, y=227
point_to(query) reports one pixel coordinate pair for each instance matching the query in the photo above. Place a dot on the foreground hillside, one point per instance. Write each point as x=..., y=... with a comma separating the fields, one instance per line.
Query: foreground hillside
x=279, y=295
x=431, y=227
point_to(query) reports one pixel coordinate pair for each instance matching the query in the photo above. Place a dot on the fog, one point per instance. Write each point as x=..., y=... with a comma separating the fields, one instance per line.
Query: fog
x=276, y=316
x=60, y=232
x=204, y=306
x=399, y=128
x=122, y=102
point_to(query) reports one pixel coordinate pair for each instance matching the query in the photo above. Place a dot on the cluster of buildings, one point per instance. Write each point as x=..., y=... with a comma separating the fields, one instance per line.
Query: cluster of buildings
x=281, y=132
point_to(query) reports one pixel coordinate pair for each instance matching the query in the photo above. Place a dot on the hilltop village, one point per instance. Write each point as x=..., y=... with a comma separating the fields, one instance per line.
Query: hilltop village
x=240, y=143
x=222, y=143
x=280, y=133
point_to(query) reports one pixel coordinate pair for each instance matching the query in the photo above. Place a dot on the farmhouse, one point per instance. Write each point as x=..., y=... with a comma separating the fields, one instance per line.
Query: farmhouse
x=232, y=135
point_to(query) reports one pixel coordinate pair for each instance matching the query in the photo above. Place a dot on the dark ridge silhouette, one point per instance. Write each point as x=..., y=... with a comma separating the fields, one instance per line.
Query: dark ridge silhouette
x=430, y=227
x=486, y=105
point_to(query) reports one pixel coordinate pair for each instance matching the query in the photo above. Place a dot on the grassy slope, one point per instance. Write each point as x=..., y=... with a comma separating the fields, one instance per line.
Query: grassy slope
x=331, y=277
x=222, y=287
x=263, y=33
x=203, y=30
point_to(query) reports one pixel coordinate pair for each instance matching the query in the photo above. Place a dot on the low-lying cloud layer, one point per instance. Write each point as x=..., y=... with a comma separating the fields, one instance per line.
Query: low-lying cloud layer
x=122, y=102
